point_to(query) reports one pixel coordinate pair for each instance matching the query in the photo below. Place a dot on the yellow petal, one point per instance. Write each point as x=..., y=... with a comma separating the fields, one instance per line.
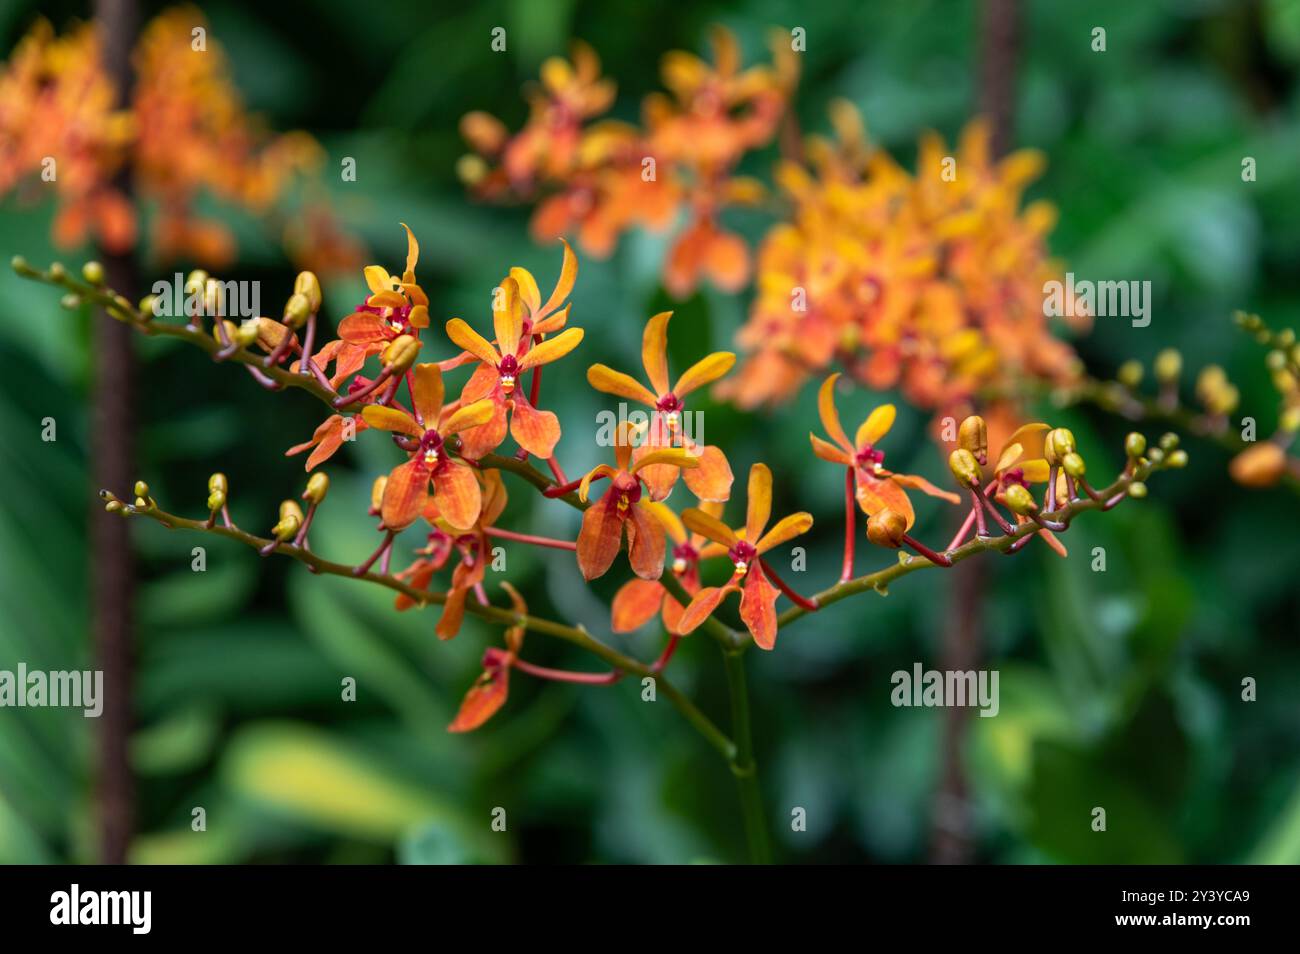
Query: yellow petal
x=760, y=501
x=676, y=456
x=654, y=351
x=875, y=427
x=829, y=452
x=1010, y=454
x=377, y=278
x=669, y=520
x=707, y=525
x=604, y=378
x=829, y=415
x=390, y=419
x=786, y=529
x=471, y=415
x=1036, y=471
x=507, y=320
x=600, y=470
x=466, y=337
x=568, y=275
x=705, y=371
x=528, y=289
x=427, y=392
x=412, y=254
x=552, y=349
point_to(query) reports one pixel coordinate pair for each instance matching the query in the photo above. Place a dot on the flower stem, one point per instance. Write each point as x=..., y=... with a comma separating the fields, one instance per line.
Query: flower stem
x=743, y=765
x=565, y=675
x=530, y=538
x=787, y=589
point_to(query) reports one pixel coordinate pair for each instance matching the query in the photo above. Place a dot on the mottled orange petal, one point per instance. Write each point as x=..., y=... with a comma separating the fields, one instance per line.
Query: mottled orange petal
x=635, y=604
x=702, y=606
x=829, y=452
x=404, y=494
x=427, y=392
x=606, y=379
x=480, y=384
x=486, y=438
x=457, y=494
x=875, y=494
x=712, y=480
x=363, y=328
x=758, y=608
x=484, y=698
x=829, y=415
x=786, y=529
x=646, y=543
x=390, y=419
x=599, y=539
x=536, y=431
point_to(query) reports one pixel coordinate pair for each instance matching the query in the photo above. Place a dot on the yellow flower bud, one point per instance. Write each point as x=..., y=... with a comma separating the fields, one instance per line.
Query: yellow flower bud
x=1073, y=464
x=57, y=271
x=973, y=435
x=148, y=304
x=1290, y=421
x=93, y=272
x=377, y=491
x=401, y=353
x=1258, y=466
x=1177, y=459
x=196, y=282
x=247, y=333
x=217, y=482
x=308, y=285
x=297, y=310
x=70, y=301
x=290, y=520
x=963, y=466
x=1057, y=443
x=317, y=487
x=141, y=489
x=1135, y=445
x=216, y=500
x=1168, y=441
x=1168, y=365
x=885, y=528
x=1137, y=490
x=1130, y=374
x=471, y=169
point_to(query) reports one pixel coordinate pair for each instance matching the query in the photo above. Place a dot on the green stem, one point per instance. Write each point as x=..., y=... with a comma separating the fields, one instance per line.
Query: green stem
x=743, y=764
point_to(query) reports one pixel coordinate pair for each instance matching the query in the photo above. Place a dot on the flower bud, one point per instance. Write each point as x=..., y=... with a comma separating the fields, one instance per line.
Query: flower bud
x=1168, y=441
x=1135, y=445
x=1177, y=459
x=471, y=169
x=290, y=520
x=214, y=298
x=216, y=500
x=1019, y=500
x=401, y=353
x=70, y=301
x=93, y=272
x=1130, y=374
x=885, y=528
x=247, y=333
x=141, y=489
x=1290, y=420
x=115, y=506
x=196, y=282
x=1258, y=466
x=1073, y=465
x=1058, y=442
x=57, y=271
x=1168, y=365
x=217, y=482
x=297, y=310
x=973, y=436
x=317, y=487
x=1156, y=455
x=1275, y=360
x=963, y=466
x=377, y=491
x=1137, y=490
x=148, y=307
x=308, y=285
x=21, y=266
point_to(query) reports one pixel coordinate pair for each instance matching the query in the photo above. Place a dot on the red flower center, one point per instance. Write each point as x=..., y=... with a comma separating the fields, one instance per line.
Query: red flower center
x=431, y=450
x=869, y=457
x=742, y=554
x=508, y=372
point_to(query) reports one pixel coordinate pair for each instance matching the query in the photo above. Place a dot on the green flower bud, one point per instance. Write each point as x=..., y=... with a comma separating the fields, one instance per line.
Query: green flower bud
x=148, y=306
x=114, y=506
x=1168, y=441
x=308, y=285
x=141, y=489
x=196, y=282
x=1137, y=489
x=1073, y=465
x=1155, y=455
x=1168, y=365
x=1130, y=374
x=1058, y=442
x=216, y=500
x=70, y=301
x=1290, y=421
x=297, y=310
x=93, y=272
x=963, y=466
x=247, y=333
x=1176, y=459
x=401, y=353
x=1135, y=444
x=1019, y=500
x=973, y=435
x=290, y=521
x=20, y=265
x=217, y=482
x=58, y=272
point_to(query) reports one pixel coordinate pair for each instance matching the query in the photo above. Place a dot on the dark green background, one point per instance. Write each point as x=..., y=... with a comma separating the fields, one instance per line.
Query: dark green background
x=1118, y=689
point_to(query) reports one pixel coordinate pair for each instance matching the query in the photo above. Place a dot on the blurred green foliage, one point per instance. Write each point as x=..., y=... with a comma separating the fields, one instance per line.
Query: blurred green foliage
x=1119, y=689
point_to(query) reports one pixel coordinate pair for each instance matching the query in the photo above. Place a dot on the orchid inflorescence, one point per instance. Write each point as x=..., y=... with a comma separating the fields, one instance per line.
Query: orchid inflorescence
x=449, y=476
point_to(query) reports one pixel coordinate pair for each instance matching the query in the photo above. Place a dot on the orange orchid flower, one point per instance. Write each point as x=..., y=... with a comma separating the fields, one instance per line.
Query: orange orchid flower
x=327, y=439
x=621, y=506
x=745, y=547
x=497, y=377
x=712, y=479
x=1021, y=461
x=637, y=601
x=395, y=307
x=488, y=694
x=876, y=488
x=455, y=489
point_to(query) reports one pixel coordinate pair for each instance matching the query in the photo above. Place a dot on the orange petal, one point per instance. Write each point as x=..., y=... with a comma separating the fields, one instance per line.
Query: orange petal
x=427, y=392
x=923, y=485
x=646, y=544
x=390, y=419
x=875, y=494
x=599, y=538
x=659, y=478
x=421, y=575
x=412, y=254
x=467, y=416
x=786, y=529
x=758, y=608
x=564, y=285
x=552, y=349
x=470, y=340
x=654, y=351
x=1010, y=454
x=727, y=261
x=528, y=290
x=536, y=431
x=1030, y=438
x=875, y=427
x=404, y=494
x=711, y=481
x=702, y=606
x=484, y=698
x=759, y=501
x=705, y=371
x=600, y=470
x=508, y=319
x=674, y=610
x=1036, y=471
x=480, y=383
x=606, y=379
x=829, y=452
x=457, y=494
x=485, y=438
x=494, y=497
x=829, y=415
x=453, y=613
x=635, y=604
x=707, y=525
x=671, y=523
x=363, y=328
